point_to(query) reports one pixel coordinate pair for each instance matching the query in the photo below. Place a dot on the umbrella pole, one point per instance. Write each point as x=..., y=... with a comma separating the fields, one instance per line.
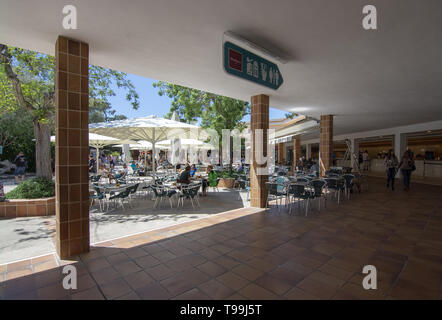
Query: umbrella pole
x=98, y=159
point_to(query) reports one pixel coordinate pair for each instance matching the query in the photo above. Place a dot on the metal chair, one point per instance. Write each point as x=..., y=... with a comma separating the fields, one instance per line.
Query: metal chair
x=121, y=196
x=275, y=193
x=348, y=178
x=297, y=191
x=191, y=193
x=162, y=192
x=244, y=186
x=318, y=188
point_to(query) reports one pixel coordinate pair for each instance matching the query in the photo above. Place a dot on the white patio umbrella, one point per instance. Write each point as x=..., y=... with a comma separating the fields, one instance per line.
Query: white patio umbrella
x=151, y=129
x=98, y=141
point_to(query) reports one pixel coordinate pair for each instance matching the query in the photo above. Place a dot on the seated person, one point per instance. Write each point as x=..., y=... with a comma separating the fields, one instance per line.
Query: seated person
x=212, y=176
x=133, y=166
x=185, y=176
x=192, y=170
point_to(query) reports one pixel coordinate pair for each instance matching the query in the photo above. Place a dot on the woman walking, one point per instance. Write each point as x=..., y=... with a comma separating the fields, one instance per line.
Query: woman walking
x=406, y=165
x=391, y=163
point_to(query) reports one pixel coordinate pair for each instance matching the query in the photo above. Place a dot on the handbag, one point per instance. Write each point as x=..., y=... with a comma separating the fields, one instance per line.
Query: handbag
x=413, y=167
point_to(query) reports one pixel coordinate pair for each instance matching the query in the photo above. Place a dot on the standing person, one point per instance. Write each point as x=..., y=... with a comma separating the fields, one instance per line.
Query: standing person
x=366, y=160
x=92, y=164
x=406, y=165
x=20, y=167
x=391, y=163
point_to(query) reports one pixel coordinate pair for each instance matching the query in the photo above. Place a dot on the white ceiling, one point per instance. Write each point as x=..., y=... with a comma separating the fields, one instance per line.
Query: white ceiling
x=368, y=79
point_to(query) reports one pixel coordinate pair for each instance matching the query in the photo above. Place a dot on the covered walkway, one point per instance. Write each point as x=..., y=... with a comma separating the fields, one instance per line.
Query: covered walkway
x=251, y=253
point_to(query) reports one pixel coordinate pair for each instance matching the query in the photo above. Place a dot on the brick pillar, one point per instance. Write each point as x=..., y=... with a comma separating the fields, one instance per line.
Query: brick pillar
x=281, y=153
x=72, y=147
x=326, y=143
x=297, y=152
x=259, y=120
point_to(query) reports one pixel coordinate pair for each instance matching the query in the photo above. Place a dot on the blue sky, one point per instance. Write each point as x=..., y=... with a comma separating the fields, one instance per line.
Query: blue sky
x=152, y=103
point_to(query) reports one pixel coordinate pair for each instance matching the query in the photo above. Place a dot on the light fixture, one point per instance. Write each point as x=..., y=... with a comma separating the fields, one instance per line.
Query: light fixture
x=255, y=46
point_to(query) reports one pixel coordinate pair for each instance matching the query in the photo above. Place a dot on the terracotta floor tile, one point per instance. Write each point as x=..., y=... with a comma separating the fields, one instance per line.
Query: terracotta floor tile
x=327, y=279
x=126, y=268
x=153, y=291
x=211, y=268
x=129, y=296
x=288, y=275
x=117, y=258
x=193, y=294
x=232, y=280
x=50, y=264
x=273, y=284
x=255, y=292
x=53, y=292
x=160, y=272
x=316, y=288
x=215, y=289
x=115, y=288
x=97, y=264
x=164, y=255
x=138, y=279
x=89, y=294
x=247, y=272
x=298, y=294
x=147, y=261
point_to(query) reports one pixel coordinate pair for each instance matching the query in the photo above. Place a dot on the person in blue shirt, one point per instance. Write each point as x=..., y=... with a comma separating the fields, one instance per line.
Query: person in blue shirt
x=192, y=170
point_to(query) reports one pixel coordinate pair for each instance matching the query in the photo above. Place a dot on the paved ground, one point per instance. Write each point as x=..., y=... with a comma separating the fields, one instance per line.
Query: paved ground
x=23, y=238
x=255, y=254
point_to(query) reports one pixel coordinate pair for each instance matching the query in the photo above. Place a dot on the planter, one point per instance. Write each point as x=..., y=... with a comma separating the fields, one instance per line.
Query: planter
x=27, y=208
x=226, y=183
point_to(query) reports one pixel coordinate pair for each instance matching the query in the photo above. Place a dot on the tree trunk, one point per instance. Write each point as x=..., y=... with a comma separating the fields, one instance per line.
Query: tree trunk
x=42, y=133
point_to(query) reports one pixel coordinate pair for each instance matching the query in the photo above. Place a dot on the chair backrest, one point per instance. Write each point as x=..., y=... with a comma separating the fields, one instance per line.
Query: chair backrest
x=297, y=190
x=242, y=184
x=331, y=183
x=348, y=179
x=318, y=185
x=272, y=188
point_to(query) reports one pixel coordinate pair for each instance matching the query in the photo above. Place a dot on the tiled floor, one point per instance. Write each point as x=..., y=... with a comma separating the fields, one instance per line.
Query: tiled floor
x=255, y=254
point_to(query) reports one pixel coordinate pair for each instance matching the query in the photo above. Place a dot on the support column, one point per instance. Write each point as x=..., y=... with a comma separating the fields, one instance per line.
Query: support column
x=326, y=143
x=308, y=151
x=354, y=151
x=72, y=147
x=297, y=151
x=259, y=120
x=400, y=145
x=281, y=153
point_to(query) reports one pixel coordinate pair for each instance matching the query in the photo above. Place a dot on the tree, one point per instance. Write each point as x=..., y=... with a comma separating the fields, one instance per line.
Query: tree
x=215, y=111
x=188, y=103
x=27, y=82
x=17, y=137
x=291, y=115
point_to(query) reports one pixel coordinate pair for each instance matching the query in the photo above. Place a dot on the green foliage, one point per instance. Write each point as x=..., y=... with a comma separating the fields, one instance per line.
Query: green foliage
x=214, y=111
x=17, y=134
x=33, y=189
x=291, y=115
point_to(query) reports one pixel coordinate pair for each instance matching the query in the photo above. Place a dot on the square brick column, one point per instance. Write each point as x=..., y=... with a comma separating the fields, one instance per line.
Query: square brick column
x=259, y=120
x=325, y=143
x=281, y=153
x=72, y=147
x=297, y=152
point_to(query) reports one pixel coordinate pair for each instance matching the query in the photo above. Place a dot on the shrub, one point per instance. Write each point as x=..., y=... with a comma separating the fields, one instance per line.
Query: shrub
x=33, y=189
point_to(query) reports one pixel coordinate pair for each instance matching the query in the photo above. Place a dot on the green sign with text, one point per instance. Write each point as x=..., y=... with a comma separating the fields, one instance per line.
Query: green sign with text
x=247, y=65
